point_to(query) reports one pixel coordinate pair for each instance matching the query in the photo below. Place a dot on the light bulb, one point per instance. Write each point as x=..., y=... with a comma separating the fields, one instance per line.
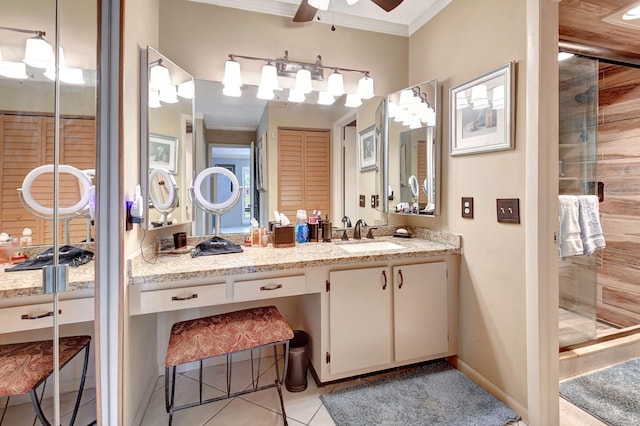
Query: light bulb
x=303, y=81
x=365, y=87
x=232, y=74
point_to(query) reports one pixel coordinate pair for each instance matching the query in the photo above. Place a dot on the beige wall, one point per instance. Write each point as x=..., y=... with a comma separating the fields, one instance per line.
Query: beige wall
x=492, y=276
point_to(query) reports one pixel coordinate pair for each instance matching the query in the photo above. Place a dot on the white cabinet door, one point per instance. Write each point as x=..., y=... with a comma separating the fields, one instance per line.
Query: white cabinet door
x=420, y=310
x=360, y=306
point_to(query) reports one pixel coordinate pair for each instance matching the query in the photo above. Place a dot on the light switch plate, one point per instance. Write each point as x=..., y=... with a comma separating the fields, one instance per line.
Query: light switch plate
x=363, y=200
x=467, y=207
x=508, y=210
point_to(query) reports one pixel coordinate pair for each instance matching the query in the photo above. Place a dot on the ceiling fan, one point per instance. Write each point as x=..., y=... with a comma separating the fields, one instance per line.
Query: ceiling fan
x=306, y=11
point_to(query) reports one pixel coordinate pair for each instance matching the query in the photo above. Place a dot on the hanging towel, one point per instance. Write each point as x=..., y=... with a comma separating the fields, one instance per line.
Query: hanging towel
x=569, y=241
x=589, y=220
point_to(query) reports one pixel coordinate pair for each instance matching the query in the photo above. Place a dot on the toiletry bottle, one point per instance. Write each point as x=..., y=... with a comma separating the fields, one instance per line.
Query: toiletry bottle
x=302, y=229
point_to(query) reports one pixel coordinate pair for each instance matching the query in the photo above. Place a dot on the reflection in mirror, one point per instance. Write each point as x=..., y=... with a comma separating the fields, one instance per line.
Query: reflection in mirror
x=231, y=124
x=414, y=149
x=163, y=194
x=167, y=139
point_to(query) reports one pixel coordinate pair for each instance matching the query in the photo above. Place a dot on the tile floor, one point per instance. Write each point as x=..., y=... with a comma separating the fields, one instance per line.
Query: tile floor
x=261, y=408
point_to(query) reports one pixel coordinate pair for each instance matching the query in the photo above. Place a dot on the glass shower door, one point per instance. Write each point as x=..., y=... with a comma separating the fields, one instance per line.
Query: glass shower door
x=577, y=176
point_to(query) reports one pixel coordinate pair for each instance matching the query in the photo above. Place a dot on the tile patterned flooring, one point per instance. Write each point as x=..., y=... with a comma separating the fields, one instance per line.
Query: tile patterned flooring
x=261, y=408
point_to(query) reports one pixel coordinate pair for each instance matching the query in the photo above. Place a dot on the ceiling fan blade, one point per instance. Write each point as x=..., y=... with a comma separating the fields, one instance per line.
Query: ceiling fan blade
x=387, y=5
x=305, y=12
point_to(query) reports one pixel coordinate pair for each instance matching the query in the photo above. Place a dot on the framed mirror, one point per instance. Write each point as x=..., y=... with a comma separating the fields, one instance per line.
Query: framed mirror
x=413, y=119
x=167, y=138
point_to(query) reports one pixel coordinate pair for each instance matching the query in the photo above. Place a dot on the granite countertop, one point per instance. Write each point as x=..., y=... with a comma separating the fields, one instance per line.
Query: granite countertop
x=168, y=268
x=29, y=283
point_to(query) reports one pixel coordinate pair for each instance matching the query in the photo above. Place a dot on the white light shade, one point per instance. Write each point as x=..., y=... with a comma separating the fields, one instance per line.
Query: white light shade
x=431, y=117
x=269, y=77
x=406, y=98
x=393, y=109
x=325, y=98
x=352, y=2
x=72, y=76
x=17, y=70
x=154, y=99
x=563, y=56
x=497, y=99
x=479, y=96
x=233, y=91
x=335, y=84
x=265, y=93
x=353, y=101
x=296, y=95
x=632, y=14
x=38, y=53
x=319, y=4
x=365, y=87
x=232, y=74
x=461, y=100
x=186, y=89
x=169, y=95
x=159, y=77
x=415, y=123
x=303, y=81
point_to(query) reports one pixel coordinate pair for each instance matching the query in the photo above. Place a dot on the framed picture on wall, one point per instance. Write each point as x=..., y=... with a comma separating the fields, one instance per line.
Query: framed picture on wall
x=261, y=163
x=481, y=116
x=163, y=152
x=368, y=149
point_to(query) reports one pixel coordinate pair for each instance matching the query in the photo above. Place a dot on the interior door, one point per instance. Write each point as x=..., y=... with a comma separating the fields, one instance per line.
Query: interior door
x=47, y=168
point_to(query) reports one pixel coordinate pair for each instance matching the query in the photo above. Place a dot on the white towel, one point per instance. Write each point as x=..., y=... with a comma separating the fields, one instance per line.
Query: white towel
x=589, y=220
x=569, y=241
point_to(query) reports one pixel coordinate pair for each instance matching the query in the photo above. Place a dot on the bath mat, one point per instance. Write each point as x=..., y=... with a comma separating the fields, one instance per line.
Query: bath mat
x=434, y=394
x=610, y=394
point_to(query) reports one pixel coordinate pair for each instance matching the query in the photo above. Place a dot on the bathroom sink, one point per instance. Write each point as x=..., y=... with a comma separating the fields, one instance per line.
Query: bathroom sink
x=364, y=246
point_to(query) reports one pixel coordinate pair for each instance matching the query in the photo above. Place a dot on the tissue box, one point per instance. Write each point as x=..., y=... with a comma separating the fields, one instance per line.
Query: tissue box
x=284, y=236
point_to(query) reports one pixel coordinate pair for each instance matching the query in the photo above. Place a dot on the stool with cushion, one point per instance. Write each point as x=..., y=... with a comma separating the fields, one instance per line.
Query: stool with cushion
x=226, y=334
x=25, y=366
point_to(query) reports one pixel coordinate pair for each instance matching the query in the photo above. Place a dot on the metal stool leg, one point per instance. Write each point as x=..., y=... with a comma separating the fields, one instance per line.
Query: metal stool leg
x=81, y=389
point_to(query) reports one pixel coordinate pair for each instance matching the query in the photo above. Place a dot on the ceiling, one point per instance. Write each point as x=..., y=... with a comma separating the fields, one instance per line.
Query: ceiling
x=581, y=23
x=404, y=20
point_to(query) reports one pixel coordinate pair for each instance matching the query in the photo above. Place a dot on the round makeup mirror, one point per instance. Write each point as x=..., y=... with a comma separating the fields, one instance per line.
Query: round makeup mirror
x=216, y=208
x=413, y=184
x=163, y=193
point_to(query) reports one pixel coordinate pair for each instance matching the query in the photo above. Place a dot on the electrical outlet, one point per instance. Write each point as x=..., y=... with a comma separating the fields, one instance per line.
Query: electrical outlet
x=508, y=210
x=374, y=201
x=363, y=201
x=467, y=207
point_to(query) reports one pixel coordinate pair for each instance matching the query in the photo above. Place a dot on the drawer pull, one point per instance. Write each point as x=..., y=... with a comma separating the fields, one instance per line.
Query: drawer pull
x=38, y=316
x=384, y=275
x=270, y=287
x=181, y=298
x=401, y=278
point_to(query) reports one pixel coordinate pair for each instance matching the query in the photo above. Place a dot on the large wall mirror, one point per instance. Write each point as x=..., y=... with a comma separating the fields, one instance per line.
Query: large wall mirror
x=414, y=150
x=167, y=138
x=234, y=129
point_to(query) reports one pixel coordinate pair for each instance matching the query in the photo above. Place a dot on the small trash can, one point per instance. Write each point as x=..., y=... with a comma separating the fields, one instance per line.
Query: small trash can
x=296, y=380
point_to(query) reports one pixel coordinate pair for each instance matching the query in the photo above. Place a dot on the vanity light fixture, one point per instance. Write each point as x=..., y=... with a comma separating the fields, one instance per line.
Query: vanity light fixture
x=38, y=52
x=412, y=108
x=159, y=76
x=154, y=99
x=353, y=101
x=325, y=98
x=67, y=75
x=303, y=72
x=168, y=94
x=186, y=89
x=17, y=70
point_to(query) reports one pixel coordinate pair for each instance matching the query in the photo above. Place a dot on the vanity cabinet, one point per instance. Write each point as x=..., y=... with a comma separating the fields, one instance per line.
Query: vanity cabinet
x=386, y=316
x=360, y=309
x=420, y=310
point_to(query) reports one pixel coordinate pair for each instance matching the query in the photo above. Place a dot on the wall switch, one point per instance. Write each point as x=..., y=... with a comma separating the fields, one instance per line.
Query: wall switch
x=467, y=207
x=363, y=201
x=508, y=210
x=374, y=201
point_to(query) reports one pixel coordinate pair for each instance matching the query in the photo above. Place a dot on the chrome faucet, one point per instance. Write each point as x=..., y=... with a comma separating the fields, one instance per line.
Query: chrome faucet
x=356, y=231
x=346, y=222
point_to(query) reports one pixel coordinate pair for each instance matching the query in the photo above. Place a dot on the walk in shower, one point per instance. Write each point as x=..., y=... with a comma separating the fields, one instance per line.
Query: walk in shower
x=599, y=155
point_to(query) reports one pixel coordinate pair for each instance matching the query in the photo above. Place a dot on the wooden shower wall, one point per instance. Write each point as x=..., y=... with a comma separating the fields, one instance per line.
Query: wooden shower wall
x=618, y=166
